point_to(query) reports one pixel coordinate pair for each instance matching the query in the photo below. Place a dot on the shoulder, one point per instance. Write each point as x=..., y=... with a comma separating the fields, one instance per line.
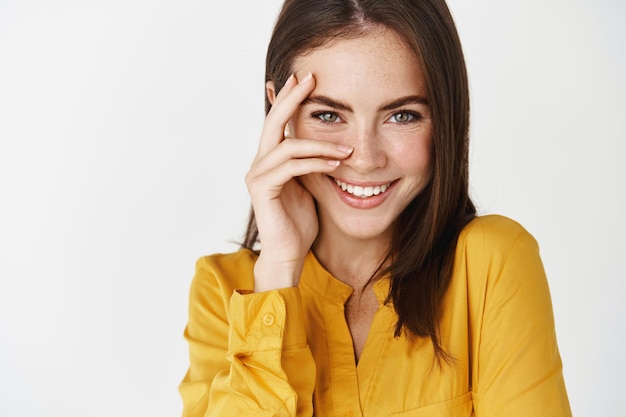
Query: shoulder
x=224, y=273
x=491, y=244
x=494, y=233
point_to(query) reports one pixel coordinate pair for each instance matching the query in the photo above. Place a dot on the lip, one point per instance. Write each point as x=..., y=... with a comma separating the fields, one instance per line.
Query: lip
x=360, y=202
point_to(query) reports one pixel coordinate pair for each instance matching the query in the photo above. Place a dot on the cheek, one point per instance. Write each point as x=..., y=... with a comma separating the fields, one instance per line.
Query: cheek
x=307, y=131
x=306, y=127
x=414, y=154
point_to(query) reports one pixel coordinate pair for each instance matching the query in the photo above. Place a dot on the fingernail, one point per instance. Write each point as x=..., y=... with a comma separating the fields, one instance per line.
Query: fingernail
x=289, y=79
x=344, y=148
x=305, y=78
x=333, y=163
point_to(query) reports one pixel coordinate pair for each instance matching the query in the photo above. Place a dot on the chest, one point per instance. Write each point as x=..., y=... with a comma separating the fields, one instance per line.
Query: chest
x=363, y=370
x=359, y=314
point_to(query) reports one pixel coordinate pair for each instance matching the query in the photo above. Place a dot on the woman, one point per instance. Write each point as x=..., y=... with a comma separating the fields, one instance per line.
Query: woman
x=377, y=291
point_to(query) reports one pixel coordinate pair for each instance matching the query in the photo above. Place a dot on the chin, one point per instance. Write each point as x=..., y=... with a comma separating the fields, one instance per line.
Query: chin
x=362, y=228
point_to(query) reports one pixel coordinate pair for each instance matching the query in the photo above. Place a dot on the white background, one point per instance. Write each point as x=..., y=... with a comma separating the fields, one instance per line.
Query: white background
x=126, y=127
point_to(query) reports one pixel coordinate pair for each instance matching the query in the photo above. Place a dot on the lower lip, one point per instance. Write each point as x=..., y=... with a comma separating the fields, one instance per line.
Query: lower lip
x=361, y=202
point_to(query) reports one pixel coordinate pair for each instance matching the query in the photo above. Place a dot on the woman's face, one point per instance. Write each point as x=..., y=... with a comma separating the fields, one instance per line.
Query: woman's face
x=369, y=94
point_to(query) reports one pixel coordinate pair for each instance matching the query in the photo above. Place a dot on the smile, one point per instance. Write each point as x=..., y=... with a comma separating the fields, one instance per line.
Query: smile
x=362, y=191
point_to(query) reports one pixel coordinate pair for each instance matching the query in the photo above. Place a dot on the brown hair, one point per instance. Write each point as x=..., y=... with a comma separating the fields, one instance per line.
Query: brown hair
x=424, y=241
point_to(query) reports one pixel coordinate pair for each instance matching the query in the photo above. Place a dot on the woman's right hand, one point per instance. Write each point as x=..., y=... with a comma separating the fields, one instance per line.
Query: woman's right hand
x=284, y=210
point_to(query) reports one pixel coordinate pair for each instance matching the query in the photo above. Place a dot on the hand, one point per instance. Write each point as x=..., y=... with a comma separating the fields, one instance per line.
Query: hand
x=285, y=211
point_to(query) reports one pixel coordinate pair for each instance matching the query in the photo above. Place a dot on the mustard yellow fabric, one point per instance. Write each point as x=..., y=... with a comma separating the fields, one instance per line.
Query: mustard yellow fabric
x=289, y=352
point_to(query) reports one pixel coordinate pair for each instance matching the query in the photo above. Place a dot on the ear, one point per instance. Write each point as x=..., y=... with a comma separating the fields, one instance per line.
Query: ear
x=270, y=90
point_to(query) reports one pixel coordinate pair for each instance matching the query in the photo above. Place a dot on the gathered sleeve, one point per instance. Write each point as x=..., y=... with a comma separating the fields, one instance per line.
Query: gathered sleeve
x=248, y=351
x=516, y=368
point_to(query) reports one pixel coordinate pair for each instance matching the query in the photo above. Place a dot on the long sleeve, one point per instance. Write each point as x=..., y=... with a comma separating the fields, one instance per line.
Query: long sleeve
x=248, y=352
x=517, y=369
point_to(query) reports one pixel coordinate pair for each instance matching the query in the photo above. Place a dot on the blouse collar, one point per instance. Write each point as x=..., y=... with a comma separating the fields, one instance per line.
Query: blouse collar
x=316, y=278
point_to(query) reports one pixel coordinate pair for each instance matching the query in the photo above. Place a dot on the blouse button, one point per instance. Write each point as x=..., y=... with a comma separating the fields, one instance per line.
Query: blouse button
x=349, y=413
x=268, y=320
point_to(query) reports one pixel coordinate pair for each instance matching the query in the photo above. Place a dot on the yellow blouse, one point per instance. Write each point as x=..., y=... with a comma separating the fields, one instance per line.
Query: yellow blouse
x=289, y=352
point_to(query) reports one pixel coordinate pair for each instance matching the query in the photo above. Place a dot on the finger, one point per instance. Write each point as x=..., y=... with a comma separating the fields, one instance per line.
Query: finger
x=268, y=185
x=282, y=110
x=301, y=149
x=292, y=148
x=277, y=95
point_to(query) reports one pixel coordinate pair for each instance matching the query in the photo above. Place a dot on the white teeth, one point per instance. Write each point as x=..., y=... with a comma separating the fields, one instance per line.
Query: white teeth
x=363, y=192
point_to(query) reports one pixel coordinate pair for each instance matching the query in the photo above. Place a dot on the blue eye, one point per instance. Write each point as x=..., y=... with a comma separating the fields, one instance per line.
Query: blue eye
x=404, y=117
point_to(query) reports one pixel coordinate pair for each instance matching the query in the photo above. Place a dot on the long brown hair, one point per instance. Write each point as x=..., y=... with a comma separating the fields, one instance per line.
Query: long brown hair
x=424, y=240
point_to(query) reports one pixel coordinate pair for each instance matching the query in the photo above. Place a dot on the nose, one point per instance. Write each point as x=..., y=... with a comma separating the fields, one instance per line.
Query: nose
x=369, y=153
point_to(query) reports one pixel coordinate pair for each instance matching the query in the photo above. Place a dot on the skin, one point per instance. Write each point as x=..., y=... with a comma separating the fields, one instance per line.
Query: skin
x=357, y=112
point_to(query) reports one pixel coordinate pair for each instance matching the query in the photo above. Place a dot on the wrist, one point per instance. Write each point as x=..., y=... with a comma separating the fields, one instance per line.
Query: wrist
x=269, y=275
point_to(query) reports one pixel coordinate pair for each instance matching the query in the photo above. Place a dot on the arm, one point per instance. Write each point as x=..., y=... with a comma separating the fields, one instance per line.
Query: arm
x=269, y=370
x=517, y=370
x=244, y=350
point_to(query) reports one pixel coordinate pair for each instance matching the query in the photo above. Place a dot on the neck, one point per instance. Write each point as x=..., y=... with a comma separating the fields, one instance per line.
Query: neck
x=352, y=261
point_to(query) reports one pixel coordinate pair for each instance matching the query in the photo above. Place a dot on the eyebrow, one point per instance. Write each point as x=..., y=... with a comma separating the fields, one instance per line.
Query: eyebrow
x=327, y=101
x=403, y=101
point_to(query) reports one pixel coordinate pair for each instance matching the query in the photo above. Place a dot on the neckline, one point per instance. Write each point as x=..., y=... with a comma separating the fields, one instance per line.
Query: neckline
x=323, y=283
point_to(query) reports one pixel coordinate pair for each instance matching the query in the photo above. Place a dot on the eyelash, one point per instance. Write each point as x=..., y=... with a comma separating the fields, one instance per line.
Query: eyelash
x=319, y=115
x=413, y=116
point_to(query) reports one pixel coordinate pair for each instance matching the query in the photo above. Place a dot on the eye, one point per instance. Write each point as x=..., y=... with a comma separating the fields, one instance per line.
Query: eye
x=327, y=117
x=404, y=117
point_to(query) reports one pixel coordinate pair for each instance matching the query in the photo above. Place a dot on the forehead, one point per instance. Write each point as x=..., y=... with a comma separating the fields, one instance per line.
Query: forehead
x=378, y=63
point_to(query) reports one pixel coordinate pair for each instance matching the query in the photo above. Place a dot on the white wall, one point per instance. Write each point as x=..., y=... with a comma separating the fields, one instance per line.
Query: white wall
x=126, y=128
